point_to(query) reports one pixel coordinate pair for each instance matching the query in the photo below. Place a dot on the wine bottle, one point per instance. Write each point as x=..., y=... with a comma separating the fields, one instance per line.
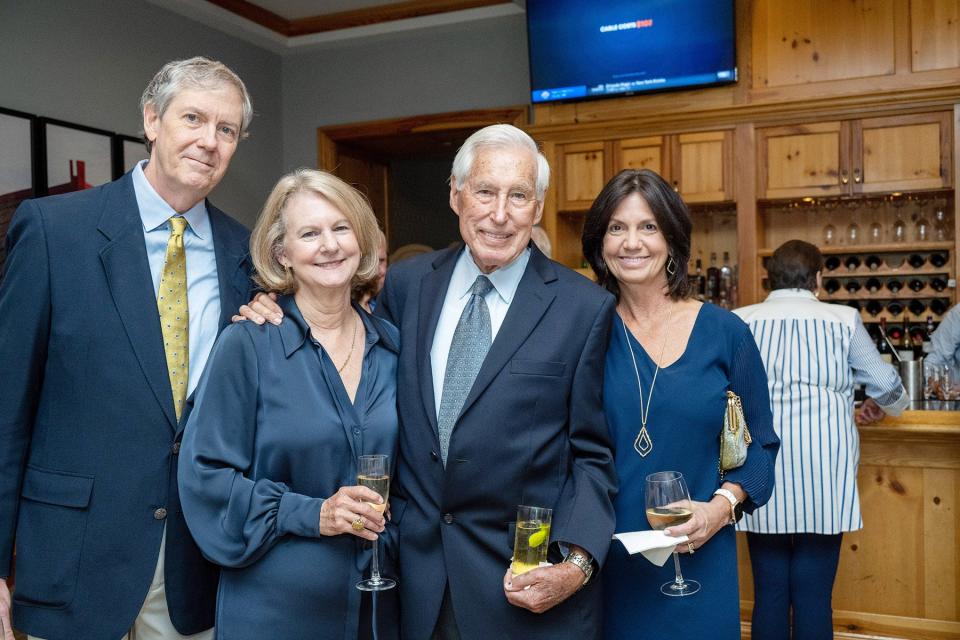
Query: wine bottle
x=831, y=263
x=938, y=284
x=894, y=285
x=938, y=306
x=831, y=286
x=873, y=285
x=928, y=333
x=873, y=262
x=713, y=279
x=854, y=304
x=874, y=307
x=852, y=286
x=895, y=307
x=917, y=307
x=916, y=284
x=699, y=282
x=726, y=281
x=886, y=353
x=938, y=259
x=852, y=262
x=916, y=260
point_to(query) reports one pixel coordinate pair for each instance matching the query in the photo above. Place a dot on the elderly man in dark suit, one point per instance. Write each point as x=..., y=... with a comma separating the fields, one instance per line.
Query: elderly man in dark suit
x=499, y=392
x=111, y=302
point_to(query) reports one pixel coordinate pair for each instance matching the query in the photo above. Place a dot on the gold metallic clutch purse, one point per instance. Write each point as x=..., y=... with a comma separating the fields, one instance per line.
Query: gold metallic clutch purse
x=735, y=436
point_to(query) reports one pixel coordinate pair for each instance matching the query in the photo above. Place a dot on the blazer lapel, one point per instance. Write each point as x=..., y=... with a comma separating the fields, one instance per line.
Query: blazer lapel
x=127, y=270
x=233, y=273
x=433, y=291
x=531, y=300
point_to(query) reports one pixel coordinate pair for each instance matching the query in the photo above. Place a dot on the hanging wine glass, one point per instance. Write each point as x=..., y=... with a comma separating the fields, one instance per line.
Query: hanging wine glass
x=941, y=231
x=853, y=233
x=898, y=232
x=876, y=233
x=829, y=234
x=921, y=228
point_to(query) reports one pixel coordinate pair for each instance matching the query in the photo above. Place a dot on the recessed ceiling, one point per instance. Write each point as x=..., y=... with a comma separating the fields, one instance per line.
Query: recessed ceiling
x=295, y=9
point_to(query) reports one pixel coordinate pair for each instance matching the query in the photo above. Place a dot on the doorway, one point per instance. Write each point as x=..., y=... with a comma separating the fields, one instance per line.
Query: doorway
x=402, y=165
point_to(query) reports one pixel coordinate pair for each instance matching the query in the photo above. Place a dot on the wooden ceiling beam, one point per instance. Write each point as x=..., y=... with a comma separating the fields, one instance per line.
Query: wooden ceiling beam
x=348, y=19
x=254, y=13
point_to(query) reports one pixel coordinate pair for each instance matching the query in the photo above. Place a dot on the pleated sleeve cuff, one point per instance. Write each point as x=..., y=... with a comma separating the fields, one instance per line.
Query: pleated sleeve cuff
x=299, y=515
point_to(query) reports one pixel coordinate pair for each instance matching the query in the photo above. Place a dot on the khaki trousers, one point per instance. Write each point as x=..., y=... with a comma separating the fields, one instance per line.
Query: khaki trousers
x=153, y=621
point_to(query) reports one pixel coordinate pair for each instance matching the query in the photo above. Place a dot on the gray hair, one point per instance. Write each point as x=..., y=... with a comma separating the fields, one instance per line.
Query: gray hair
x=499, y=136
x=196, y=73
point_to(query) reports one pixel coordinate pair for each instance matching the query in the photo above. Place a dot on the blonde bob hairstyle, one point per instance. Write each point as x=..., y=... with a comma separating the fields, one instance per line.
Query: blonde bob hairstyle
x=266, y=242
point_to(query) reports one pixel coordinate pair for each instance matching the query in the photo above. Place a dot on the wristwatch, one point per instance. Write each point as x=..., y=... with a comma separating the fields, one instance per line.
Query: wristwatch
x=582, y=561
x=736, y=509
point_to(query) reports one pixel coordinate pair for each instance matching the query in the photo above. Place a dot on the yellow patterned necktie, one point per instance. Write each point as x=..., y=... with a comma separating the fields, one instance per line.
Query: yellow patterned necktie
x=174, y=313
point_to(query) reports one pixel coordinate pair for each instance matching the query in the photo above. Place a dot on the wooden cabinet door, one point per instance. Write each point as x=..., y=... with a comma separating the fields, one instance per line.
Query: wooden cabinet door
x=583, y=172
x=901, y=153
x=642, y=153
x=702, y=166
x=803, y=160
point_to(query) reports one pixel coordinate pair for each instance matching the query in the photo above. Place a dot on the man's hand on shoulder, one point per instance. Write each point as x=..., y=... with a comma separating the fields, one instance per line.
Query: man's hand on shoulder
x=263, y=307
x=6, y=626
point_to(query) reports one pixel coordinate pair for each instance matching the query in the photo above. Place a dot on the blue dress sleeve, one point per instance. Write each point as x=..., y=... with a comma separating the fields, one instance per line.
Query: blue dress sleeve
x=235, y=520
x=748, y=379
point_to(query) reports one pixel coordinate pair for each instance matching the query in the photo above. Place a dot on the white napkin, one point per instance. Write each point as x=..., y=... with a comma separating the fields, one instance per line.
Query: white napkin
x=655, y=546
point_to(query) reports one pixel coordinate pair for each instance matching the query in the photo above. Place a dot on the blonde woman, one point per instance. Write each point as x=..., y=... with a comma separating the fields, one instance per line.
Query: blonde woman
x=268, y=466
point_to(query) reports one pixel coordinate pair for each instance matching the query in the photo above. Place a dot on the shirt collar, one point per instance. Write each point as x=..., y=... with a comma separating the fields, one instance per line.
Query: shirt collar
x=505, y=280
x=295, y=332
x=154, y=210
x=781, y=294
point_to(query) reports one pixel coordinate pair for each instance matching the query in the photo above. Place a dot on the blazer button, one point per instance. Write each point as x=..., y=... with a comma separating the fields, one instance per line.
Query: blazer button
x=176, y=448
x=160, y=514
x=434, y=456
x=448, y=518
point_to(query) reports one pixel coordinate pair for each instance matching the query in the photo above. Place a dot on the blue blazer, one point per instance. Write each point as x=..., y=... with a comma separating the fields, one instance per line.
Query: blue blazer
x=532, y=431
x=88, y=433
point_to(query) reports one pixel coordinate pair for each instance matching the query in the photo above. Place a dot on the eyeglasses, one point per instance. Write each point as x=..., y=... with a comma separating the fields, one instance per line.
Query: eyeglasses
x=519, y=199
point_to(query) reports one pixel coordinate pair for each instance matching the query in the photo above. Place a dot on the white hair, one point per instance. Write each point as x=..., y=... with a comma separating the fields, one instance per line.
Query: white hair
x=499, y=136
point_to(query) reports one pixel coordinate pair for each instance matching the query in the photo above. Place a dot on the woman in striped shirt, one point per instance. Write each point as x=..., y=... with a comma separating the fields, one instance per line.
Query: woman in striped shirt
x=814, y=354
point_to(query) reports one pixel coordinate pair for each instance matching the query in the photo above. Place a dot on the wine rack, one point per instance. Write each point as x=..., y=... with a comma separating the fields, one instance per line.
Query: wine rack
x=891, y=256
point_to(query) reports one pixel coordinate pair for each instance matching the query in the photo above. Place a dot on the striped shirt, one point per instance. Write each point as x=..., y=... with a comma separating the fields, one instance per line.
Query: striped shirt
x=814, y=354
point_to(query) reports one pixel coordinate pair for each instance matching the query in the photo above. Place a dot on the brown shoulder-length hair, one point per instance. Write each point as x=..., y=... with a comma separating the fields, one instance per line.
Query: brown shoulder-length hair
x=266, y=241
x=794, y=265
x=672, y=217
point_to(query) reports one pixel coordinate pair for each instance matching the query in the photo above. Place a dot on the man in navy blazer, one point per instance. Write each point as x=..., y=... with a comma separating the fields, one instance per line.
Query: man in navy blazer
x=88, y=429
x=531, y=430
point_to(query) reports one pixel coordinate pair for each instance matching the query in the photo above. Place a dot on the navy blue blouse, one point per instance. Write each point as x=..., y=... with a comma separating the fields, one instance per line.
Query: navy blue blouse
x=271, y=435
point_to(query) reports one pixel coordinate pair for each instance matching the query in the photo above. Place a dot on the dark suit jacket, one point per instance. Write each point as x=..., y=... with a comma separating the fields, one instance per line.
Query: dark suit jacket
x=532, y=431
x=88, y=434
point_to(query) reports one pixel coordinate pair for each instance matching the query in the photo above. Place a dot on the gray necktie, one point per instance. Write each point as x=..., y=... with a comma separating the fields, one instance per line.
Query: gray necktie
x=471, y=341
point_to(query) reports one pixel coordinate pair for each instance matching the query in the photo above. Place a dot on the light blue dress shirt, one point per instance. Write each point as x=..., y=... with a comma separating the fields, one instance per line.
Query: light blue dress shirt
x=505, y=281
x=203, y=286
x=945, y=341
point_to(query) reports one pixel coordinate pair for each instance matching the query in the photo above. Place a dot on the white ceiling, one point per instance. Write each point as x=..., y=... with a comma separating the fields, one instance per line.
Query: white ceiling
x=234, y=25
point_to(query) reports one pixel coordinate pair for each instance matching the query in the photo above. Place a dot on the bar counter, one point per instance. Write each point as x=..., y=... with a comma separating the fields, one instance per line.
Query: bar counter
x=899, y=576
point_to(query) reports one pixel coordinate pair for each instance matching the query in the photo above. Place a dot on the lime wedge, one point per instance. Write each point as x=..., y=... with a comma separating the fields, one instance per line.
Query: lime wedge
x=539, y=537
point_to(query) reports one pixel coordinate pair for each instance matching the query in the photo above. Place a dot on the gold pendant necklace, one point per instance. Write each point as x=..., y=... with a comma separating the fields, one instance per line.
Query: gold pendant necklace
x=353, y=342
x=643, y=444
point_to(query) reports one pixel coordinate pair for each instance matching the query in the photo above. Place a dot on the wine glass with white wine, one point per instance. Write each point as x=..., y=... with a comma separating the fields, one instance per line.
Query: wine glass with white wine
x=373, y=472
x=668, y=504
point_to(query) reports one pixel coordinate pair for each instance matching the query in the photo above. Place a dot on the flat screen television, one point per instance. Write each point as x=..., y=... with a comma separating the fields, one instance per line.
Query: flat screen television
x=580, y=49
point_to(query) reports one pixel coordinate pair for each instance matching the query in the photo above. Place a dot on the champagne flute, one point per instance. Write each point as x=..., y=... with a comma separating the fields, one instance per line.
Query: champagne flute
x=668, y=504
x=373, y=472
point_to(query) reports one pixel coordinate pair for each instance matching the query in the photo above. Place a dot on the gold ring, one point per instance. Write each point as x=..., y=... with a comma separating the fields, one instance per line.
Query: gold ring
x=690, y=546
x=358, y=524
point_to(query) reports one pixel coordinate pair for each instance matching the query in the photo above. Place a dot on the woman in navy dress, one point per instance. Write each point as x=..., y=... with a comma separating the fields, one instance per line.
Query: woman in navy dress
x=637, y=239
x=268, y=464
